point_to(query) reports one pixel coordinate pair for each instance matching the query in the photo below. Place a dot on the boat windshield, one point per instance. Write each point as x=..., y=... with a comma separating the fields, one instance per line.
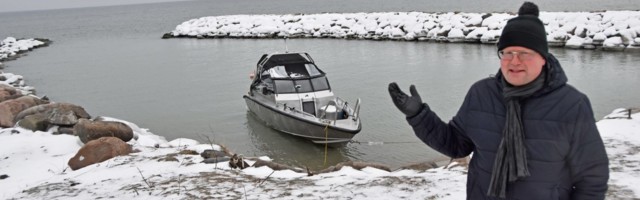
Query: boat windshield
x=312, y=69
x=295, y=71
x=284, y=86
x=320, y=83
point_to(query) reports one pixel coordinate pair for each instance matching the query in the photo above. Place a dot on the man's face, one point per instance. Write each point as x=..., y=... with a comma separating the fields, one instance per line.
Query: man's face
x=520, y=65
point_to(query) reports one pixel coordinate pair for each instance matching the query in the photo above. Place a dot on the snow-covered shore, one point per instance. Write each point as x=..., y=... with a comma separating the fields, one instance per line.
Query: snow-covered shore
x=611, y=30
x=33, y=165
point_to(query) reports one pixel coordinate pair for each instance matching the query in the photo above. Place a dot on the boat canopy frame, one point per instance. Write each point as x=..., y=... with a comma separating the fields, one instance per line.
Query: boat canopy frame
x=296, y=70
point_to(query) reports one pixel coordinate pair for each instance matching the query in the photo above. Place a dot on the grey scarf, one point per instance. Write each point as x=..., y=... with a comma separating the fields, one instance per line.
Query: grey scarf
x=511, y=158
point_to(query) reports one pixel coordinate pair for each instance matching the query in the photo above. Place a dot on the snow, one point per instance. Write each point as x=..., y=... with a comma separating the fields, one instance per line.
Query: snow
x=36, y=166
x=11, y=46
x=575, y=42
x=35, y=163
x=448, y=26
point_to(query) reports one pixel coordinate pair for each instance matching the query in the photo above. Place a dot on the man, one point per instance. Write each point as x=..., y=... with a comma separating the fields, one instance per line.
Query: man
x=532, y=135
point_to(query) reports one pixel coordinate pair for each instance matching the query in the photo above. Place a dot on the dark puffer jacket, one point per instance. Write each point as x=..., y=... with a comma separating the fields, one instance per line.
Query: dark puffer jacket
x=566, y=156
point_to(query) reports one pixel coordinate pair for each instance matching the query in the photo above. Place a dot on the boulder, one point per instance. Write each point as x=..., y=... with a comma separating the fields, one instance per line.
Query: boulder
x=210, y=153
x=62, y=117
x=64, y=130
x=58, y=113
x=38, y=122
x=10, y=108
x=99, y=150
x=8, y=92
x=88, y=130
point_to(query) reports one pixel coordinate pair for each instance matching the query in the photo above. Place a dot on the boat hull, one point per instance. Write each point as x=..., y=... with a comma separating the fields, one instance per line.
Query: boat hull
x=297, y=124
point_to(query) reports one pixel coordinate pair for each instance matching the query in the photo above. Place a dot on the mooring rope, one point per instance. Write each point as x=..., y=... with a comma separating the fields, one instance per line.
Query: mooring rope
x=326, y=143
x=370, y=143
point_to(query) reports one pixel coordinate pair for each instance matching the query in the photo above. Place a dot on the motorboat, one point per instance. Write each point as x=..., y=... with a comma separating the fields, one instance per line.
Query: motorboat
x=292, y=95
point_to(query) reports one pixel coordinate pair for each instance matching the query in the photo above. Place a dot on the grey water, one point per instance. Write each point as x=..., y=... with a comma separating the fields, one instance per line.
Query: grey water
x=111, y=61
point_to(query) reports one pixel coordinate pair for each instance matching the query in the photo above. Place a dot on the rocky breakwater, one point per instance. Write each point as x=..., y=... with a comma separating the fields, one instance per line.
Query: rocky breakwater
x=608, y=30
x=12, y=48
x=20, y=107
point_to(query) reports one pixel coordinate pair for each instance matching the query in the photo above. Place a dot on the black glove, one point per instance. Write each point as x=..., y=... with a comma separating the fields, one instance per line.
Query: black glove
x=409, y=105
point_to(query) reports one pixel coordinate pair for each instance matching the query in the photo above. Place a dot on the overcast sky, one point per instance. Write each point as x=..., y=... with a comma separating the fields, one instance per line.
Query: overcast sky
x=24, y=5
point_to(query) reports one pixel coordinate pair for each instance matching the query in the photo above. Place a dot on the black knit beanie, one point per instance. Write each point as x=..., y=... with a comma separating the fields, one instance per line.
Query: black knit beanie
x=525, y=30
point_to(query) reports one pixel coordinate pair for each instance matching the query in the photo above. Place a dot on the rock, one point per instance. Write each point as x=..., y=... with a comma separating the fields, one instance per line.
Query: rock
x=613, y=44
x=99, y=150
x=8, y=92
x=216, y=160
x=62, y=117
x=169, y=158
x=210, y=153
x=167, y=36
x=276, y=166
x=423, y=166
x=88, y=130
x=38, y=122
x=632, y=48
x=10, y=108
x=188, y=152
x=59, y=113
x=355, y=165
x=64, y=130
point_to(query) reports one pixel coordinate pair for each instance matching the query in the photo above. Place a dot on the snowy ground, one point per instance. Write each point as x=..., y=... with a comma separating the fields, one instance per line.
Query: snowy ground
x=613, y=30
x=33, y=165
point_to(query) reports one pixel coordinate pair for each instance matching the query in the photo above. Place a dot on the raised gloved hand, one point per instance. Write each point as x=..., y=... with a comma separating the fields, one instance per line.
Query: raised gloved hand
x=409, y=105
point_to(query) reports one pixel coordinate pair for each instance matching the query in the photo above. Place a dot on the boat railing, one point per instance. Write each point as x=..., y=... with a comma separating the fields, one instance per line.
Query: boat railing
x=356, y=110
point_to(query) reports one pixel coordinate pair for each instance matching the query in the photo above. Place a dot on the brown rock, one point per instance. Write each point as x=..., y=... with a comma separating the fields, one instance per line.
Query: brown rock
x=188, y=152
x=88, y=130
x=8, y=92
x=59, y=113
x=10, y=108
x=423, y=166
x=99, y=150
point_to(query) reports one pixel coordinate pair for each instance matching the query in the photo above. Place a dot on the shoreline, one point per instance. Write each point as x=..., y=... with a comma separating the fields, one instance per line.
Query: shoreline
x=606, y=30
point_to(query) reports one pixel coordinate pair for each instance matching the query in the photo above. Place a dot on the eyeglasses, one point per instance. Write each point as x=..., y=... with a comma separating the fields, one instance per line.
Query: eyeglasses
x=522, y=55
